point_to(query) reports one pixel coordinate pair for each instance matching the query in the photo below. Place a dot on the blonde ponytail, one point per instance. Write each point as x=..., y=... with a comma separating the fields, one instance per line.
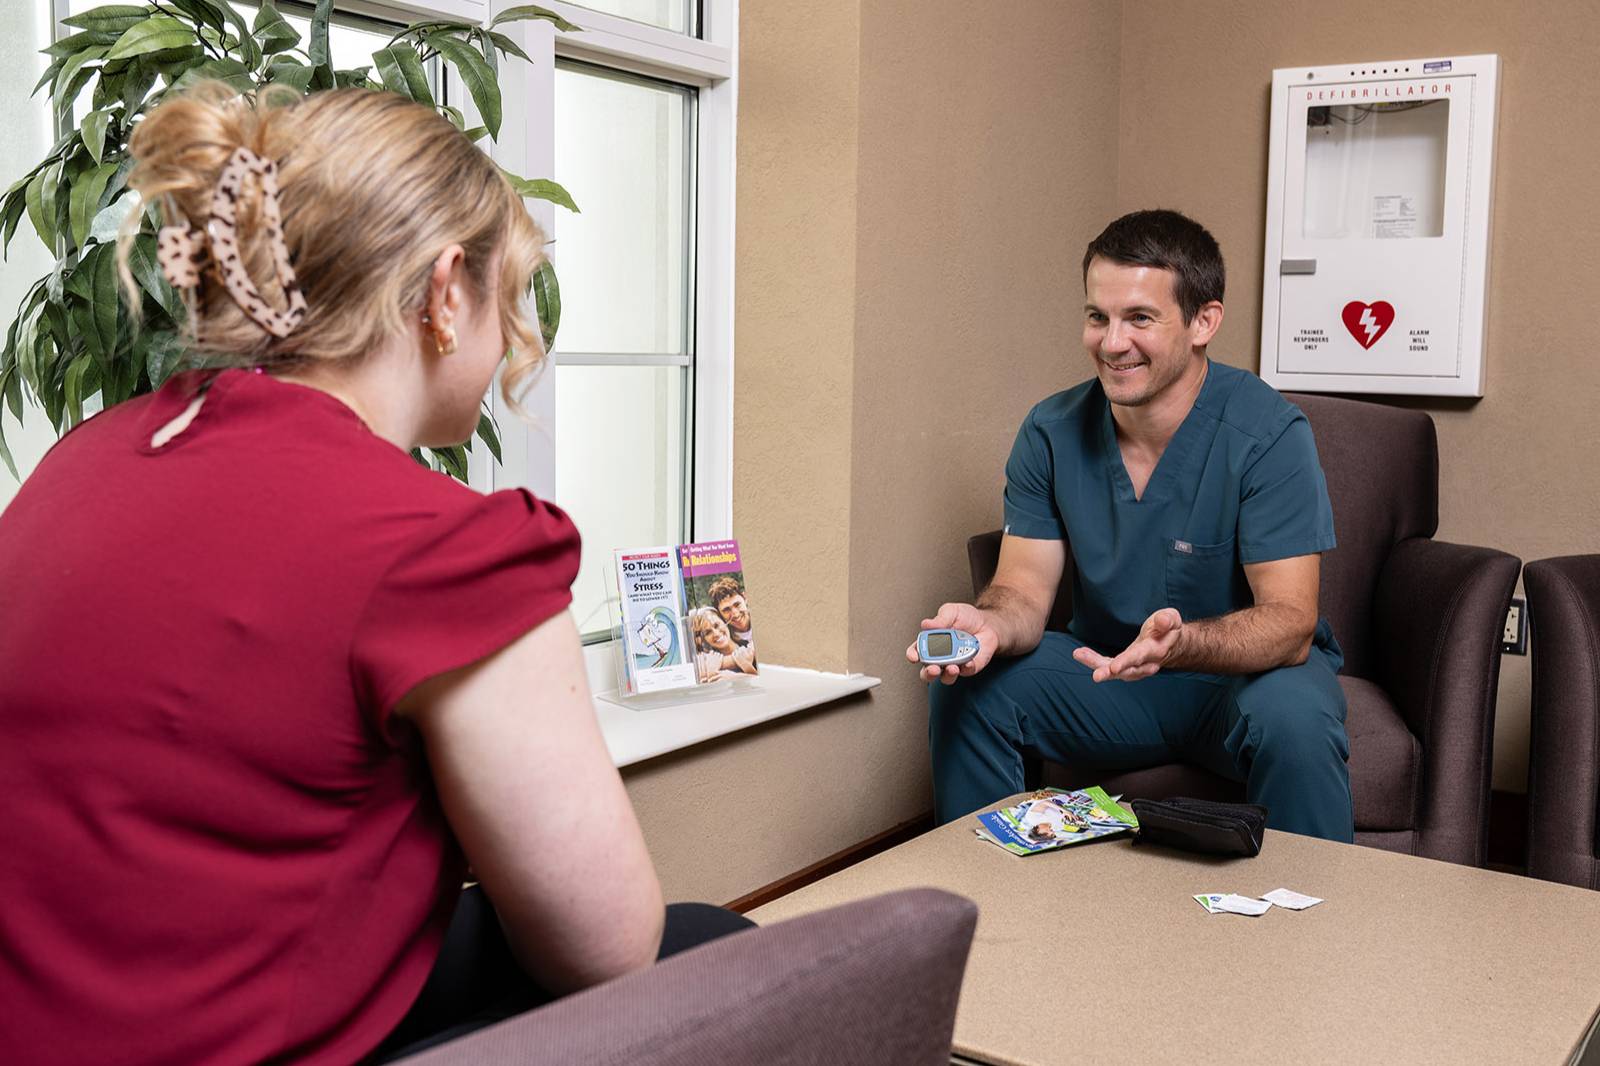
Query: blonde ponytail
x=372, y=187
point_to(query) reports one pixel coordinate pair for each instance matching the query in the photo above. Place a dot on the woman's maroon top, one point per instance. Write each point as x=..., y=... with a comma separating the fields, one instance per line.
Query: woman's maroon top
x=218, y=846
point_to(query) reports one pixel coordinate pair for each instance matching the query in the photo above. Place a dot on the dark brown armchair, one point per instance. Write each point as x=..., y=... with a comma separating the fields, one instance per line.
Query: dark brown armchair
x=870, y=982
x=1563, y=767
x=1420, y=623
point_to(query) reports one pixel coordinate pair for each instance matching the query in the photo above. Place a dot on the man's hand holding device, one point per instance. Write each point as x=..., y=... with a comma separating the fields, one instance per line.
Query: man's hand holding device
x=944, y=665
x=1144, y=657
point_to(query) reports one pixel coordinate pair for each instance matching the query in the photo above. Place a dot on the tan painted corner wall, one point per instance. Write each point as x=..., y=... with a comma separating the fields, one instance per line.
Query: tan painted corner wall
x=985, y=156
x=914, y=182
x=1518, y=468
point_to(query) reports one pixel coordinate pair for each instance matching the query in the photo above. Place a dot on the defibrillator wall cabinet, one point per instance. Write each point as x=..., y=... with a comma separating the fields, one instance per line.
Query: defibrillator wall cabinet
x=1378, y=226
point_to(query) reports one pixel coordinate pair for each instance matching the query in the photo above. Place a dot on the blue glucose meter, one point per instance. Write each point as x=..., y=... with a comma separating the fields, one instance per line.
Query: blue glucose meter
x=946, y=647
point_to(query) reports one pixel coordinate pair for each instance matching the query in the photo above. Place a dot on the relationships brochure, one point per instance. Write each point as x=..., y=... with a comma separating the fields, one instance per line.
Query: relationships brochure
x=1054, y=818
x=685, y=616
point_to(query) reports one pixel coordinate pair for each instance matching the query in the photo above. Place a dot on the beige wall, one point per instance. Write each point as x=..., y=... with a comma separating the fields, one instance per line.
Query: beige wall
x=916, y=183
x=1517, y=468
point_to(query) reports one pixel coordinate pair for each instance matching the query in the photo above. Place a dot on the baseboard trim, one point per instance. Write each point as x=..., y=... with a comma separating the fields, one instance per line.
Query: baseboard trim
x=834, y=863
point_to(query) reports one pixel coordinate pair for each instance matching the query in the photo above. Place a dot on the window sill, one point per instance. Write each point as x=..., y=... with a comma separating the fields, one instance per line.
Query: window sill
x=638, y=730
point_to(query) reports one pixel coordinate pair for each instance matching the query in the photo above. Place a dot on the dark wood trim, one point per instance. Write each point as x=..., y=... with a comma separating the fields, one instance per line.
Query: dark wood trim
x=1508, y=830
x=834, y=863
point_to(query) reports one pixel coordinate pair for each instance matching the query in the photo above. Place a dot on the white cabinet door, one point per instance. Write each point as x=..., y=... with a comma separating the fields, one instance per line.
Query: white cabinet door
x=1377, y=227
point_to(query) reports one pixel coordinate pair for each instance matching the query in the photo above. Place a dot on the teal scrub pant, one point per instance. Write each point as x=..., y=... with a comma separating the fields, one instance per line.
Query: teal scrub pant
x=1280, y=732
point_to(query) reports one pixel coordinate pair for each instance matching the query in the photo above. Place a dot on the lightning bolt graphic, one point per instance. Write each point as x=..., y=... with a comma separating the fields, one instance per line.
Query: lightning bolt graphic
x=1368, y=323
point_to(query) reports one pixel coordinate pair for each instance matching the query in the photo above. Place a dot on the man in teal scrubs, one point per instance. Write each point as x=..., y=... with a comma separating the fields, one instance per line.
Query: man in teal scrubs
x=1196, y=511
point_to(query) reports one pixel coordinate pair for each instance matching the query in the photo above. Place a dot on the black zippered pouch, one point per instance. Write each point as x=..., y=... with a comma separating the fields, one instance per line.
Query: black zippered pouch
x=1203, y=826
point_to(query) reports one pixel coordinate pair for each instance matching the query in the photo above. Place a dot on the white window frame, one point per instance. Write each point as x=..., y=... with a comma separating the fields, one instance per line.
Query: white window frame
x=527, y=147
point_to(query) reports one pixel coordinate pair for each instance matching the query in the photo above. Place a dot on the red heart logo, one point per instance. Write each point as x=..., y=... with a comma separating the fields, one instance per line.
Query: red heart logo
x=1368, y=322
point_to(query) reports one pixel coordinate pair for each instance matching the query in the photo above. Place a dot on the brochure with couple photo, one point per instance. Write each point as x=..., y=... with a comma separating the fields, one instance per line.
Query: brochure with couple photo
x=1055, y=818
x=717, y=609
x=685, y=618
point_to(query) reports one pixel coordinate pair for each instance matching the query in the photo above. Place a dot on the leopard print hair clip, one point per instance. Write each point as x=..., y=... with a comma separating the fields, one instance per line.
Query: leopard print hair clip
x=182, y=250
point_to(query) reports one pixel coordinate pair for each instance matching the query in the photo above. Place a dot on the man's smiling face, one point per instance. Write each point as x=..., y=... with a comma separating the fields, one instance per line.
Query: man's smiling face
x=1133, y=328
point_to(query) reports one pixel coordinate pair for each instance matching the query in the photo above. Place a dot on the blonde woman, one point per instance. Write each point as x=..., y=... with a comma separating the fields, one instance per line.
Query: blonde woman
x=714, y=646
x=269, y=685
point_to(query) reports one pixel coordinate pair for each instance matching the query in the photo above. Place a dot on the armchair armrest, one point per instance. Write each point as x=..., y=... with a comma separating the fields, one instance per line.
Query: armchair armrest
x=983, y=557
x=1438, y=615
x=1563, y=775
x=870, y=982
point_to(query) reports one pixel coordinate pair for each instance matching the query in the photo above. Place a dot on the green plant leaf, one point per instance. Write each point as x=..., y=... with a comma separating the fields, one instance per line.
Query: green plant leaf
x=487, y=433
x=109, y=18
x=75, y=74
x=77, y=42
x=16, y=205
x=93, y=132
x=286, y=71
x=507, y=45
x=107, y=304
x=146, y=270
x=43, y=204
x=85, y=200
x=356, y=76
x=163, y=354
x=403, y=72
x=158, y=33
x=317, y=48
x=273, y=31
x=49, y=76
x=533, y=11
x=203, y=13
x=108, y=223
x=74, y=389
x=479, y=79
x=542, y=189
x=13, y=394
x=547, y=303
x=490, y=60
x=452, y=461
x=230, y=72
x=135, y=87
x=8, y=377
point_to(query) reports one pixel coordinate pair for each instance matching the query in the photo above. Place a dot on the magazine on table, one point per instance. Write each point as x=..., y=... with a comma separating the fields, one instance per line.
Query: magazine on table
x=1055, y=818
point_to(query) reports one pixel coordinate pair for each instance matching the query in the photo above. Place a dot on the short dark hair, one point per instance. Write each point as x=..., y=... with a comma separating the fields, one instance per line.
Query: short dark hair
x=1171, y=241
x=723, y=588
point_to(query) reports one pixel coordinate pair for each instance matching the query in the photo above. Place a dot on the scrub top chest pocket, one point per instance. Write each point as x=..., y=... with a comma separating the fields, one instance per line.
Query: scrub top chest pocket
x=1203, y=580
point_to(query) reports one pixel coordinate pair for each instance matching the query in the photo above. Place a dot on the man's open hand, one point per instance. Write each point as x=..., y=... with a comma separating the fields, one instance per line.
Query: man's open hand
x=968, y=618
x=1145, y=656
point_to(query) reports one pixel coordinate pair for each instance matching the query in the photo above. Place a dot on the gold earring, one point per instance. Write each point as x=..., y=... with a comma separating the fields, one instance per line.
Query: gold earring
x=444, y=342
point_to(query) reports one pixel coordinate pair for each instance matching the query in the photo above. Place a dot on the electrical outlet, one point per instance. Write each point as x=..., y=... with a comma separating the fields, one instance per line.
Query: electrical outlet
x=1514, y=640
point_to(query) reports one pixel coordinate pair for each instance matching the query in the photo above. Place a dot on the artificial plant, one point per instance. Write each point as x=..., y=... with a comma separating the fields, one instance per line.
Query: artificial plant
x=72, y=336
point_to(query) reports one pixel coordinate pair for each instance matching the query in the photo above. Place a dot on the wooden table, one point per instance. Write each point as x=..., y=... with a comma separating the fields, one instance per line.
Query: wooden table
x=1097, y=954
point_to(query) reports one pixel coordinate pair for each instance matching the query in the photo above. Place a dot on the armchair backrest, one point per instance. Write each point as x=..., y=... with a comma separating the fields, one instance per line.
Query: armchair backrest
x=1382, y=466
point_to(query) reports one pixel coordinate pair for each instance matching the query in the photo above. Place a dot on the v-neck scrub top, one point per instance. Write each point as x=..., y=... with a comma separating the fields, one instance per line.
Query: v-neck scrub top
x=1238, y=483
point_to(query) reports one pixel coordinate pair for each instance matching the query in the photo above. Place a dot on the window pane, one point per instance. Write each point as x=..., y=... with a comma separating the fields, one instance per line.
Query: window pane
x=620, y=462
x=679, y=16
x=623, y=149
x=1376, y=170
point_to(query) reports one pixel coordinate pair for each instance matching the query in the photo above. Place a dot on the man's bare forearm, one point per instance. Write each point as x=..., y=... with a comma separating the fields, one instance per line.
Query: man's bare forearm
x=1017, y=619
x=1256, y=639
